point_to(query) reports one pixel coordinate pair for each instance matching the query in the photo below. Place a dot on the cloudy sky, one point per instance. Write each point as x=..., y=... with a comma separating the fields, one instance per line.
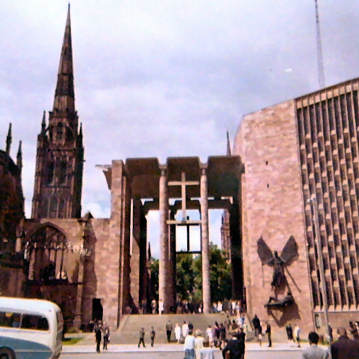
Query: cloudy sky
x=163, y=77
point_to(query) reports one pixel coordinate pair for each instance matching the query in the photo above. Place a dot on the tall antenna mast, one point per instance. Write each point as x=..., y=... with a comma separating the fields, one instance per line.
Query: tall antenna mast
x=321, y=77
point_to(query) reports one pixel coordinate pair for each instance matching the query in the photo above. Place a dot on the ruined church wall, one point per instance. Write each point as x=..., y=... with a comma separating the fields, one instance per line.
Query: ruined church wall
x=273, y=208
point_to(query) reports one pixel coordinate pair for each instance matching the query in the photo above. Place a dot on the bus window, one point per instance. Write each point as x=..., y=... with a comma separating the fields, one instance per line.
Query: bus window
x=31, y=321
x=10, y=319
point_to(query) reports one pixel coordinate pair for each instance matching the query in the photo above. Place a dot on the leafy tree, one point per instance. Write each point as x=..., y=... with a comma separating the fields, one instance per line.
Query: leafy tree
x=154, y=267
x=189, y=276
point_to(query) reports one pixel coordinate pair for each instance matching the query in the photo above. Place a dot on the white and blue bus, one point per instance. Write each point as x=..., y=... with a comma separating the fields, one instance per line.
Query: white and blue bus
x=30, y=329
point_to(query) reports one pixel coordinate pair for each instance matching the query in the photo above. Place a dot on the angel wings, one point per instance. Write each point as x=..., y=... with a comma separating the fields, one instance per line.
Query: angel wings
x=289, y=252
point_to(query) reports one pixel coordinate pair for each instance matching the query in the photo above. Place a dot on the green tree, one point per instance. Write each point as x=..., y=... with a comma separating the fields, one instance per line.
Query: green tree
x=154, y=267
x=189, y=276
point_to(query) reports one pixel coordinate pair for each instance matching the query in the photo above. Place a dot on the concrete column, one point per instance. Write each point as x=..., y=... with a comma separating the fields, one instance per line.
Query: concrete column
x=172, y=261
x=125, y=247
x=135, y=274
x=143, y=260
x=206, y=287
x=163, y=267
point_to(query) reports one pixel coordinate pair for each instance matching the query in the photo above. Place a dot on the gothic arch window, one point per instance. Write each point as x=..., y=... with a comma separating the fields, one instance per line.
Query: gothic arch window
x=59, y=131
x=69, y=136
x=50, y=171
x=62, y=172
x=53, y=207
x=44, y=207
x=62, y=208
x=45, y=255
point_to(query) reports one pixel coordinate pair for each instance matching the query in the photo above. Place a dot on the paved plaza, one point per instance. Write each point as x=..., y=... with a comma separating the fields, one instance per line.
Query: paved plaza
x=174, y=351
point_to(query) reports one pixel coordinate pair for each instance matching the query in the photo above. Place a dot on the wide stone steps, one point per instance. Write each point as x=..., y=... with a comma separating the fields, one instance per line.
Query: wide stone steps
x=128, y=332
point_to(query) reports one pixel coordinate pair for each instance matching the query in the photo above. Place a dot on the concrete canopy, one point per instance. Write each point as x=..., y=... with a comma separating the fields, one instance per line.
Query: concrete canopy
x=144, y=173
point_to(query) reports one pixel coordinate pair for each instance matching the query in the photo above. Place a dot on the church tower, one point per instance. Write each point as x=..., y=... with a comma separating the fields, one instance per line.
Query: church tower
x=60, y=152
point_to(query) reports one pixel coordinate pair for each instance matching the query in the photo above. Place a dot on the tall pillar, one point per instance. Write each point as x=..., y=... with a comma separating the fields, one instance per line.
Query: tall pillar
x=135, y=253
x=206, y=286
x=172, y=261
x=163, y=267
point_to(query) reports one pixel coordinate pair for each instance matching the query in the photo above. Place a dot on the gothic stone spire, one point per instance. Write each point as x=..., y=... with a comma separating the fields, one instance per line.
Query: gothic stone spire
x=8, y=140
x=64, y=94
x=59, y=160
x=228, y=145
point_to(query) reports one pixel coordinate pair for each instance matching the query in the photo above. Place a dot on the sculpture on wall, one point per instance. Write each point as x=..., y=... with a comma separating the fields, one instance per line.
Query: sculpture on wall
x=278, y=262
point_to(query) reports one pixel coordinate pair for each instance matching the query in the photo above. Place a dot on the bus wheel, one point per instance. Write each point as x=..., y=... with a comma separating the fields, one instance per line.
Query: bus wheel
x=6, y=353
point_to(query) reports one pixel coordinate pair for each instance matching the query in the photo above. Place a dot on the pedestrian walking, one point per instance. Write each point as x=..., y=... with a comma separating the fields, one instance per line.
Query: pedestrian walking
x=344, y=348
x=98, y=336
x=178, y=332
x=189, y=345
x=289, y=331
x=314, y=352
x=106, y=336
x=153, y=334
x=141, y=338
x=242, y=341
x=269, y=334
x=256, y=324
x=168, y=330
x=184, y=329
x=260, y=337
x=297, y=335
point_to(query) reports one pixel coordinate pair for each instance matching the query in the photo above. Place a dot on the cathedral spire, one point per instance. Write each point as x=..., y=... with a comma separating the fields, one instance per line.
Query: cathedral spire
x=43, y=123
x=228, y=145
x=64, y=94
x=19, y=157
x=8, y=140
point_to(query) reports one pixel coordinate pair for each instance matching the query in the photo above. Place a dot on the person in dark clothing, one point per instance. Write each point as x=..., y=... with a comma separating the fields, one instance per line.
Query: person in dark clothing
x=169, y=330
x=141, y=338
x=98, y=335
x=153, y=334
x=344, y=348
x=242, y=341
x=353, y=330
x=256, y=324
x=234, y=347
x=330, y=329
x=106, y=336
x=289, y=331
x=269, y=334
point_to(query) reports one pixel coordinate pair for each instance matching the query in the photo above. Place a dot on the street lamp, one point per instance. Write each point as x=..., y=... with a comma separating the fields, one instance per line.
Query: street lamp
x=318, y=244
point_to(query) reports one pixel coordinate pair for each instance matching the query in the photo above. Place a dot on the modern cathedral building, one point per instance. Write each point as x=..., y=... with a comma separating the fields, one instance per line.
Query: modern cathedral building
x=290, y=183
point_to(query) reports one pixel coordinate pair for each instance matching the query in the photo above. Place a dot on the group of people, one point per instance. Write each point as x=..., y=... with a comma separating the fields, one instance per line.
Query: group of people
x=231, y=307
x=141, y=339
x=342, y=348
x=102, y=332
x=234, y=348
x=258, y=330
x=168, y=329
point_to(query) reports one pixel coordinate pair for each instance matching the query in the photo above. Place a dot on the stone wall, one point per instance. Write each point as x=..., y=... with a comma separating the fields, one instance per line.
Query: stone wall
x=272, y=207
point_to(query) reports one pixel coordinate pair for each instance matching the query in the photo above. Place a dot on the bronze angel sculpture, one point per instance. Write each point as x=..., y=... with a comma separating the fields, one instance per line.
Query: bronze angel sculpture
x=289, y=252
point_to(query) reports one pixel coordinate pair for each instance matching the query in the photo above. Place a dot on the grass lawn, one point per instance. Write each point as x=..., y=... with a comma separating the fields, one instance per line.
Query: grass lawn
x=71, y=340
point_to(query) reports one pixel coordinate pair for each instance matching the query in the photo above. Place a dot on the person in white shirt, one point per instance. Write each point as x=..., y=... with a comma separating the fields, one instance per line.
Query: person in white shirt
x=189, y=344
x=184, y=329
x=314, y=352
x=198, y=343
x=178, y=332
x=209, y=333
x=297, y=335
